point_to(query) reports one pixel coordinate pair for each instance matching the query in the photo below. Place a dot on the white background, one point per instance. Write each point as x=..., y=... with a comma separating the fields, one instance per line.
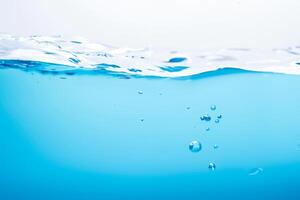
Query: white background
x=175, y=24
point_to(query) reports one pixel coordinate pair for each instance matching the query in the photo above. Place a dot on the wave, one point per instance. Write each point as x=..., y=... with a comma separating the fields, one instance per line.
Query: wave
x=58, y=55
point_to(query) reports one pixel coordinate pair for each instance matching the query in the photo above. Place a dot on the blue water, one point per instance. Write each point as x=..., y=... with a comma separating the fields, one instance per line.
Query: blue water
x=80, y=120
x=99, y=136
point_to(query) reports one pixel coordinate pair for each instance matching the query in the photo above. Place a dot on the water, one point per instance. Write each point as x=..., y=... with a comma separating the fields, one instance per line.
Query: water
x=70, y=131
x=255, y=171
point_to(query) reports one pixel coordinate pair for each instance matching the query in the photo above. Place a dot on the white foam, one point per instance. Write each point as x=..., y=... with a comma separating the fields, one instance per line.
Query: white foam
x=145, y=61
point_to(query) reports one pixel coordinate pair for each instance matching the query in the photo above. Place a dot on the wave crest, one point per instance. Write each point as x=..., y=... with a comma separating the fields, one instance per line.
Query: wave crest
x=56, y=54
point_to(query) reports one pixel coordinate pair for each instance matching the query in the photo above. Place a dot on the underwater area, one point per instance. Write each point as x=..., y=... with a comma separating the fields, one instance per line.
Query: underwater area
x=75, y=126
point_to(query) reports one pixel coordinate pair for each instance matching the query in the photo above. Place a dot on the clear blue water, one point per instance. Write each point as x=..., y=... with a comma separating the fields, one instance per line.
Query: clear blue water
x=83, y=137
x=72, y=133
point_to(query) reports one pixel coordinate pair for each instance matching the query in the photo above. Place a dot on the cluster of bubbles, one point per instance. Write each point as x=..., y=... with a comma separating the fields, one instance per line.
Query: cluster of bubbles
x=208, y=118
x=195, y=146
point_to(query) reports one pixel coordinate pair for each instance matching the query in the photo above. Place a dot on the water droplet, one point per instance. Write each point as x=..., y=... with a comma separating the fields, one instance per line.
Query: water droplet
x=213, y=107
x=217, y=120
x=205, y=118
x=142, y=120
x=140, y=92
x=195, y=146
x=207, y=129
x=255, y=171
x=219, y=116
x=188, y=108
x=212, y=166
x=216, y=146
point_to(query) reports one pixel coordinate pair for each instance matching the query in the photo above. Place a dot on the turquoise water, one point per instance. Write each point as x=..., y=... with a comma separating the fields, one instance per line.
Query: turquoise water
x=86, y=121
x=106, y=137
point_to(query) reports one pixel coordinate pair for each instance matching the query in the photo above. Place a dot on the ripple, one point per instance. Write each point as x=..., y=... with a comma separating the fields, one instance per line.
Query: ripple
x=43, y=53
x=177, y=59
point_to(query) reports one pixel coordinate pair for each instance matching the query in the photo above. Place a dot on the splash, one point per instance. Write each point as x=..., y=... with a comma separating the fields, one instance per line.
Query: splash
x=56, y=54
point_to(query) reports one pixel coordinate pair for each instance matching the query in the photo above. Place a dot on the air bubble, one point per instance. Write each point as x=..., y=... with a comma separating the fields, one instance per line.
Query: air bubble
x=212, y=166
x=140, y=92
x=195, y=146
x=205, y=118
x=217, y=121
x=213, y=107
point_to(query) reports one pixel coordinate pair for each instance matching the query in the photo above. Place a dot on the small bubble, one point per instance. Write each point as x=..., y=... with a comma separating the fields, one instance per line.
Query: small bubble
x=216, y=146
x=217, y=121
x=219, y=116
x=140, y=92
x=255, y=171
x=213, y=107
x=188, y=108
x=142, y=120
x=212, y=166
x=205, y=118
x=195, y=146
x=207, y=129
